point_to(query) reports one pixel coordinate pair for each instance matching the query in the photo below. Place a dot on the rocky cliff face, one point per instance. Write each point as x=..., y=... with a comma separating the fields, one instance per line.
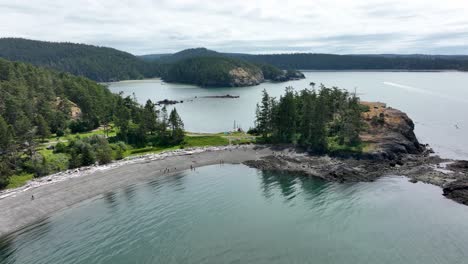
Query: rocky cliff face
x=389, y=132
x=245, y=77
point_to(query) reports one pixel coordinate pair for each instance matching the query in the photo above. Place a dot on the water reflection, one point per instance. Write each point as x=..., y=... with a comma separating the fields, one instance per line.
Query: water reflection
x=290, y=185
x=111, y=199
x=7, y=250
x=235, y=214
x=129, y=192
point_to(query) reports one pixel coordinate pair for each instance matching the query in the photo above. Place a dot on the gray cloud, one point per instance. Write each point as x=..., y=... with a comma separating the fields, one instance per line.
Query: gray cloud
x=256, y=26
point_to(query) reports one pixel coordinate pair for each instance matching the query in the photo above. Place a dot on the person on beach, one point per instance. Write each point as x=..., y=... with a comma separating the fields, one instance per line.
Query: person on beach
x=32, y=197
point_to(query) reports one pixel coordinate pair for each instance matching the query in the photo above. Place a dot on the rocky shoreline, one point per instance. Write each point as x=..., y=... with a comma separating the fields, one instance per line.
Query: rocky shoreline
x=391, y=149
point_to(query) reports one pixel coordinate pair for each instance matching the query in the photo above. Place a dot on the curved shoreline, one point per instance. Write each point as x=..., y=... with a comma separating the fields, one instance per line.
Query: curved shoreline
x=68, y=188
x=62, y=190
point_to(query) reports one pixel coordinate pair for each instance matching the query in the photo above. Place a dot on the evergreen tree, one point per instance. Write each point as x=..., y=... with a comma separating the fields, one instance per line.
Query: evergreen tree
x=87, y=156
x=264, y=115
x=6, y=136
x=150, y=117
x=177, y=127
x=286, y=117
x=43, y=129
x=312, y=117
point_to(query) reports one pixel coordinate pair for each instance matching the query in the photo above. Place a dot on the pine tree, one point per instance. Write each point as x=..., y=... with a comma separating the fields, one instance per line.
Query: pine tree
x=150, y=117
x=6, y=136
x=176, y=126
x=43, y=129
x=264, y=115
x=286, y=117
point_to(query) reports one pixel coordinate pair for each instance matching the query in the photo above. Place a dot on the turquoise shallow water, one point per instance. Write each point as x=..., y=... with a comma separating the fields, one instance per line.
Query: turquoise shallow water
x=436, y=101
x=235, y=214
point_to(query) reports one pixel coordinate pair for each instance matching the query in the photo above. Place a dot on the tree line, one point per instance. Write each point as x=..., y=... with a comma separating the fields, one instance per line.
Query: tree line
x=311, y=61
x=311, y=118
x=36, y=103
x=96, y=63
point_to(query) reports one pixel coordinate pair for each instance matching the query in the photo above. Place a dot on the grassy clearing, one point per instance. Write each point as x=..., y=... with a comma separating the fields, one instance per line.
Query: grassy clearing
x=19, y=180
x=204, y=141
x=98, y=131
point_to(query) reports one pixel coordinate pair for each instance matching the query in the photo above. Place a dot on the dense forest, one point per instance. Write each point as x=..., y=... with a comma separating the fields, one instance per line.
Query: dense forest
x=209, y=71
x=96, y=63
x=38, y=104
x=313, y=119
x=106, y=64
x=224, y=71
x=308, y=61
x=311, y=61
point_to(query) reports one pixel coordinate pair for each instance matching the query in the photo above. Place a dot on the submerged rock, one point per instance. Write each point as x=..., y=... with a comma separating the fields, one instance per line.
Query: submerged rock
x=457, y=190
x=168, y=102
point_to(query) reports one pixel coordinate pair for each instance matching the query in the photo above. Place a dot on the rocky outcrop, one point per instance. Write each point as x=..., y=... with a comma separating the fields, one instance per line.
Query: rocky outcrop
x=288, y=75
x=457, y=190
x=67, y=105
x=391, y=149
x=168, y=102
x=389, y=132
x=417, y=167
x=245, y=77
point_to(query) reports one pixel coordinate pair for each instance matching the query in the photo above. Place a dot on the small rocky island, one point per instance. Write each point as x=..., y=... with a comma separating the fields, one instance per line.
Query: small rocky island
x=225, y=72
x=391, y=148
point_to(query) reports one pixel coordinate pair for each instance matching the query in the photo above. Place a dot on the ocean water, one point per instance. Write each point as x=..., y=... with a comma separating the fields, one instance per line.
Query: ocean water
x=236, y=214
x=436, y=101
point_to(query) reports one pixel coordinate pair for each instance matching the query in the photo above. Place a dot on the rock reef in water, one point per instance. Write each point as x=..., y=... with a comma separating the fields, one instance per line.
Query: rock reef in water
x=168, y=102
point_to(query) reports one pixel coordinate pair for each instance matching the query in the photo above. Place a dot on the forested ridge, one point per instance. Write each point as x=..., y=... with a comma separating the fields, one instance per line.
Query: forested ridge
x=39, y=105
x=97, y=63
x=317, y=61
x=310, y=61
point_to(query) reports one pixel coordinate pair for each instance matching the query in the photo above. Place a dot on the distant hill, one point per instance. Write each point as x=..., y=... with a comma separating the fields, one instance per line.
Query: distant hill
x=312, y=61
x=97, y=63
x=181, y=55
x=214, y=71
x=308, y=61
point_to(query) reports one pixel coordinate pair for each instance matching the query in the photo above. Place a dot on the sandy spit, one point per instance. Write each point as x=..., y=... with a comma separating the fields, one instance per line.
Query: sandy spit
x=62, y=190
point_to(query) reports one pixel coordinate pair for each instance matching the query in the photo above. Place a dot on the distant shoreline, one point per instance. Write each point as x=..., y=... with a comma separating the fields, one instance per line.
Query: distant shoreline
x=301, y=70
x=383, y=70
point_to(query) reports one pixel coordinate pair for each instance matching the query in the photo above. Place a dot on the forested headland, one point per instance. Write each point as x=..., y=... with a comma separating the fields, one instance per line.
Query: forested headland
x=320, y=120
x=100, y=64
x=38, y=105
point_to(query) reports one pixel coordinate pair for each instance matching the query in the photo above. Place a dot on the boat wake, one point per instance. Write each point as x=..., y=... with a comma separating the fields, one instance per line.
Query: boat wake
x=426, y=92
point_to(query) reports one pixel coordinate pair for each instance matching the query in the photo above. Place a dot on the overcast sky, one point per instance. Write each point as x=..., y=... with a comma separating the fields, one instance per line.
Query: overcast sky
x=252, y=26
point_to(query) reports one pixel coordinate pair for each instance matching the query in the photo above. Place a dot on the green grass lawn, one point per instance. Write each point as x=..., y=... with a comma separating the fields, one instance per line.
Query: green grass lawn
x=205, y=141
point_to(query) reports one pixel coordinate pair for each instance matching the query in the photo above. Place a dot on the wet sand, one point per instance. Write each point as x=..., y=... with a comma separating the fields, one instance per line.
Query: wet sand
x=18, y=210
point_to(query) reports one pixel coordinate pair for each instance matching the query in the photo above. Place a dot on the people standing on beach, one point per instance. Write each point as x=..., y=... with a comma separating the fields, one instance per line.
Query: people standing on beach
x=32, y=197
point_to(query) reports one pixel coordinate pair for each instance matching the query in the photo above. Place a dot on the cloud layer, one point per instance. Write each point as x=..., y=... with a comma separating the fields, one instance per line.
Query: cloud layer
x=254, y=26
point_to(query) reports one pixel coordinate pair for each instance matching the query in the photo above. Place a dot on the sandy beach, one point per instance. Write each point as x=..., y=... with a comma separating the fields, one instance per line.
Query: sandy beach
x=62, y=190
